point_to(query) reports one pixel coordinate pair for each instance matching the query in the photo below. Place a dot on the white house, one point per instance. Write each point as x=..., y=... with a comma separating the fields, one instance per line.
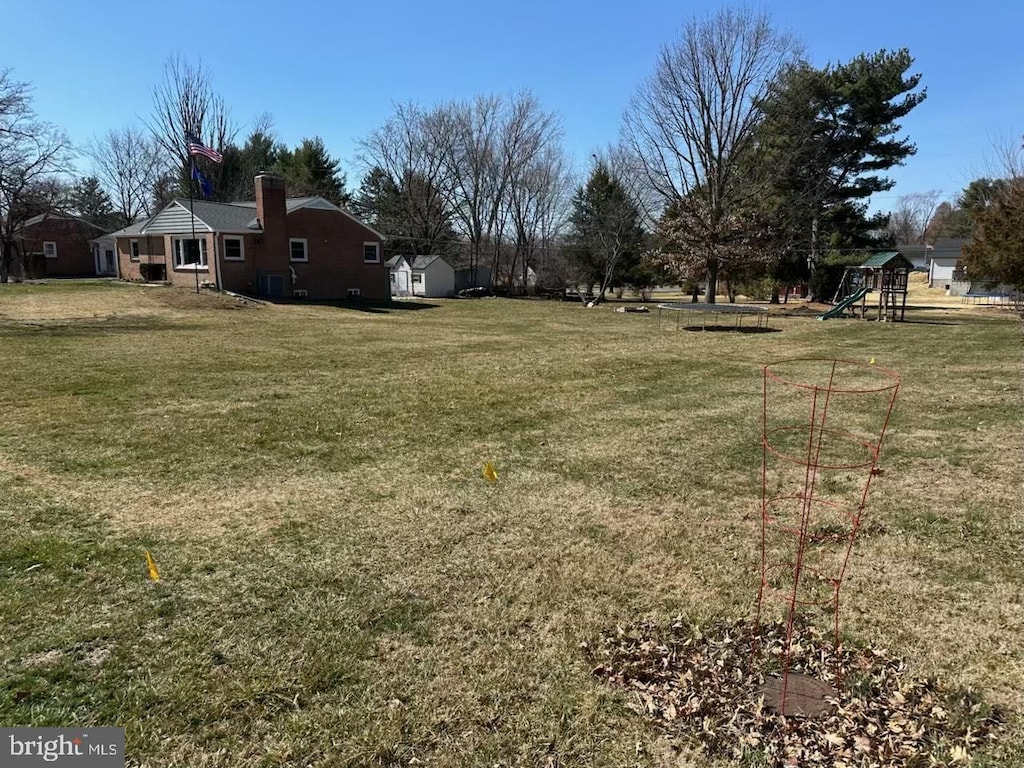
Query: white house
x=401, y=276
x=432, y=276
x=942, y=261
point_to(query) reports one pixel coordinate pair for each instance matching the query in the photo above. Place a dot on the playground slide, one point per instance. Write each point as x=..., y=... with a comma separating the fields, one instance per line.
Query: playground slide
x=849, y=301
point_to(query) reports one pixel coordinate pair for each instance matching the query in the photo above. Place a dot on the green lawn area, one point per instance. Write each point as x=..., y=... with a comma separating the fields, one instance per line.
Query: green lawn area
x=340, y=585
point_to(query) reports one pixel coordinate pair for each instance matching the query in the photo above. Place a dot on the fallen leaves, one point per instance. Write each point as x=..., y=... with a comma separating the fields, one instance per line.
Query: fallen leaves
x=702, y=685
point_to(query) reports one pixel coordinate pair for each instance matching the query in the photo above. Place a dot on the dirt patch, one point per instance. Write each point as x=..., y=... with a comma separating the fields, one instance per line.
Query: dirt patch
x=187, y=298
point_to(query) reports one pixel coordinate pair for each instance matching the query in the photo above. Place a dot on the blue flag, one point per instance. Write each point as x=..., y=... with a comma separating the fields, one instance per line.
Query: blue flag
x=204, y=184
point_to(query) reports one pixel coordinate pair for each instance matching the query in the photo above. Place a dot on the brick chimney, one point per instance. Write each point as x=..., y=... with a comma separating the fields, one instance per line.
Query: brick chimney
x=271, y=212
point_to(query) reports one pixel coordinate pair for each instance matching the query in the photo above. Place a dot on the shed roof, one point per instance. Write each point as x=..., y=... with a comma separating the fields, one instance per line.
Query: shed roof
x=892, y=259
x=422, y=262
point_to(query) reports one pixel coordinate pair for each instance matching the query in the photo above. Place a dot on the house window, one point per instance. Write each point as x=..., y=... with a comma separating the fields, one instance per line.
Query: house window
x=134, y=246
x=233, y=249
x=371, y=253
x=189, y=253
x=297, y=249
x=394, y=278
x=353, y=293
x=50, y=249
x=417, y=277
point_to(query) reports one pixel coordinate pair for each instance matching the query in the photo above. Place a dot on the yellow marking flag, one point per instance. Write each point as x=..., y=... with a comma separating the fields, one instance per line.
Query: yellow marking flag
x=871, y=361
x=154, y=574
x=490, y=473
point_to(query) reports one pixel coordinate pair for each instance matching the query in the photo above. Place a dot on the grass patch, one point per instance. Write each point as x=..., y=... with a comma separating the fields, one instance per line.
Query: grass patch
x=341, y=587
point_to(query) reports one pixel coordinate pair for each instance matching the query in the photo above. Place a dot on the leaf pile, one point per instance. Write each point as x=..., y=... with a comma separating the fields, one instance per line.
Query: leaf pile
x=704, y=687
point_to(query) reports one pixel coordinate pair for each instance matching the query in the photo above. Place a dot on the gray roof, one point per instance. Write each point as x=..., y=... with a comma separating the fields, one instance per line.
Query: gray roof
x=393, y=260
x=236, y=216
x=422, y=262
x=222, y=217
x=135, y=228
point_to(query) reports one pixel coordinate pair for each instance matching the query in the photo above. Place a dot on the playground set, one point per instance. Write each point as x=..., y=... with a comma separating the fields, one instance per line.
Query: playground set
x=885, y=274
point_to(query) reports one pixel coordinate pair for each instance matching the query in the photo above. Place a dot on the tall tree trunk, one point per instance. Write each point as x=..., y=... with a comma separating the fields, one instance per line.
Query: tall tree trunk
x=812, y=261
x=775, y=294
x=712, y=286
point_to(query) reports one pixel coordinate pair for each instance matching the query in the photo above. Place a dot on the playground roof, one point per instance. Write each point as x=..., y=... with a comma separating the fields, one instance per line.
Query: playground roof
x=888, y=259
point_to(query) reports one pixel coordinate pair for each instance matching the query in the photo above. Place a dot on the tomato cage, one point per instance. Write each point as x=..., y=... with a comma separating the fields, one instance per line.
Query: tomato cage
x=823, y=425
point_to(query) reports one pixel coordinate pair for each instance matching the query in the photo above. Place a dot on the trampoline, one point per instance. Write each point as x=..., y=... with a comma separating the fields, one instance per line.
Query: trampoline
x=732, y=313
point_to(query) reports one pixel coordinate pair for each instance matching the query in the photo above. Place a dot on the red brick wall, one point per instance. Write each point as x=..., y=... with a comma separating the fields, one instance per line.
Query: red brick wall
x=334, y=243
x=74, y=255
x=159, y=249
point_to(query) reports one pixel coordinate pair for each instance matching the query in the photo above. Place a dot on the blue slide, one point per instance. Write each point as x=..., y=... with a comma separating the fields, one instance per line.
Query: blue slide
x=842, y=306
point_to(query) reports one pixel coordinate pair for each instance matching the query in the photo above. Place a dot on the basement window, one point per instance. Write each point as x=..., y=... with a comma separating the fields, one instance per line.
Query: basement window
x=353, y=293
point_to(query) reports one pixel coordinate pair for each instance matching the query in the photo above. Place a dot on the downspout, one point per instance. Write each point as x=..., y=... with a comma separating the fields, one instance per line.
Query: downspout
x=216, y=262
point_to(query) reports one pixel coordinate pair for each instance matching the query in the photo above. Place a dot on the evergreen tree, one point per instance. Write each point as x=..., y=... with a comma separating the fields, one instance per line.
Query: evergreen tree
x=606, y=238
x=408, y=213
x=829, y=134
x=88, y=199
x=310, y=170
x=997, y=253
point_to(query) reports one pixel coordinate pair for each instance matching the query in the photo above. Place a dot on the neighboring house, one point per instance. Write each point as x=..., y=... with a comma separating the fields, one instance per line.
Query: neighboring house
x=916, y=253
x=104, y=254
x=942, y=261
x=401, y=276
x=60, y=243
x=432, y=276
x=275, y=247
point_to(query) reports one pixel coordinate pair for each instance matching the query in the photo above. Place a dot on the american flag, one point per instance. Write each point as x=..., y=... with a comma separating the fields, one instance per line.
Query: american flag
x=196, y=147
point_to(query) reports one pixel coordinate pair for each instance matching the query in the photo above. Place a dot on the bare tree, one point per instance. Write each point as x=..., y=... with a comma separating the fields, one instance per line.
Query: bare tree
x=539, y=208
x=531, y=162
x=409, y=151
x=128, y=162
x=470, y=136
x=908, y=221
x=691, y=126
x=32, y=155
x=184, y=103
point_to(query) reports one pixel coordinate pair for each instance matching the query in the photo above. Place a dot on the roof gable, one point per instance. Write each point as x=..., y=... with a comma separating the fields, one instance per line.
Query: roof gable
x=422, y=262
x=891, y=259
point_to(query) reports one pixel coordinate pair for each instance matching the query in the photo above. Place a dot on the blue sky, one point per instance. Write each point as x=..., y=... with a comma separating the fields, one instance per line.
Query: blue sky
x=334, y=69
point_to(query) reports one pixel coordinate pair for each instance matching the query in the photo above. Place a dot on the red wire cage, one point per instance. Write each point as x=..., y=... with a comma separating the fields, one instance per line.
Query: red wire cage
x=823, y=422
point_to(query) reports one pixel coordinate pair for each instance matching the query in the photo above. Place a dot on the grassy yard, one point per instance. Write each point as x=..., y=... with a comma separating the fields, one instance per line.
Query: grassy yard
x=340, y=585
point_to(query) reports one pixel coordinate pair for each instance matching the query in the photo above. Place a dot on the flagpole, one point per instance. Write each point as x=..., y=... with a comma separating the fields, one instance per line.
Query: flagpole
x=192, y=214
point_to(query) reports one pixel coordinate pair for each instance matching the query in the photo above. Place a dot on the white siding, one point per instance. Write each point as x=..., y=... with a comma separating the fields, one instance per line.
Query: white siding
x=940, y=272
x=439, y=279
x=174, y=220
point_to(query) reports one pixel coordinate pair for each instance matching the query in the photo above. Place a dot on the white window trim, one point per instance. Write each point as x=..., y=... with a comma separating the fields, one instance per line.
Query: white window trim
x=241, y=248
x=202, y=266
x=353, y=293
x=54, y=245
x=305, y=249
x=133, y=251
x=376, y=247
x=417, y=275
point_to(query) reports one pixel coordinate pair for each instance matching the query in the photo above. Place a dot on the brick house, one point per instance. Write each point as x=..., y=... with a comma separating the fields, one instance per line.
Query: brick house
x=60, y=244
x=276, y=247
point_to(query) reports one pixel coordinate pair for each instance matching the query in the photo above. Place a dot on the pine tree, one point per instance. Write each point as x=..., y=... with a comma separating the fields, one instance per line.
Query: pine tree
x=606, y=236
